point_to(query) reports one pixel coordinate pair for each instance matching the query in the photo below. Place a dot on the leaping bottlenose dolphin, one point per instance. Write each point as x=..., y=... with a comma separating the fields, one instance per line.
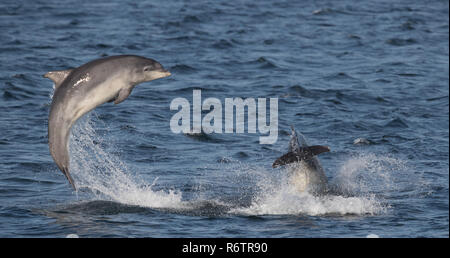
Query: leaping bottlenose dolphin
x=307, y=174
x=80, y=90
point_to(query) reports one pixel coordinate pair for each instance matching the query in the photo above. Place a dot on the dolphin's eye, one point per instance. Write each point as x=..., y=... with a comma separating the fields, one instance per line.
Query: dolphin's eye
x=147, y=68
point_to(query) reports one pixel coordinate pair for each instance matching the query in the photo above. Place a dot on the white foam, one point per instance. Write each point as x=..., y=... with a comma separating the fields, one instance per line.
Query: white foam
x=286, y=199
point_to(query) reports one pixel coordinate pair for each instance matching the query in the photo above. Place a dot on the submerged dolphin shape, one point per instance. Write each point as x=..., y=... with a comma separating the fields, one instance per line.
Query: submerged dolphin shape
x=80, y=90
x=308, y=174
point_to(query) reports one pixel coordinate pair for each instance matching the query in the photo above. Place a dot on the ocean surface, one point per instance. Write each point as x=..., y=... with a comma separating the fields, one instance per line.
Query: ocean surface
x=368, y=79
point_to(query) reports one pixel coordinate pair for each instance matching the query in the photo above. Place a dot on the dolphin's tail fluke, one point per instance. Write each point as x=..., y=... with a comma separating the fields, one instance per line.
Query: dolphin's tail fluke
x=67, y=174
x=302, y=153
x=62, y=161
x=58, y=141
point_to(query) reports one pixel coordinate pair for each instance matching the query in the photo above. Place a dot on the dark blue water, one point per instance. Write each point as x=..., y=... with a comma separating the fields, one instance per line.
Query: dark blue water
x=370, y=80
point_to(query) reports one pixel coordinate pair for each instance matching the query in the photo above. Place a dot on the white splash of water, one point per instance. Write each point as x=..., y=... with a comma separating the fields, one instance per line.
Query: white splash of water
x=286, y=199
x=366, y=173
x=52, y=92
x=107, y=176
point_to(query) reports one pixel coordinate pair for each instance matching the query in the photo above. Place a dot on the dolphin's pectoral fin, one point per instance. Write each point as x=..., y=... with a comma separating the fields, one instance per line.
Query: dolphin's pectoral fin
x=315, y=149
x=287, y=158
x=123, y=94
x=58, y=76
x=303, y=153
x=67, y=174
x=112, y=99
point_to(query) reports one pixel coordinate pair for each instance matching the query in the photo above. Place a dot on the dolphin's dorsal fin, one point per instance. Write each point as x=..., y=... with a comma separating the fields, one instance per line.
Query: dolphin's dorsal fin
x=293, y=143
x=297, y=139
x=58, y=76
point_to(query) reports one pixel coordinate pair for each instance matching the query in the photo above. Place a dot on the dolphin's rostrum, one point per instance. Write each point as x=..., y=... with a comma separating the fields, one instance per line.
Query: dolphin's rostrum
x=80, y=90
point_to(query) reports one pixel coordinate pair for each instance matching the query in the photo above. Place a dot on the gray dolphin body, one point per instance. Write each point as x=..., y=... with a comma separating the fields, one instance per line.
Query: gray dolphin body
x=307, y=174
x=80, y=90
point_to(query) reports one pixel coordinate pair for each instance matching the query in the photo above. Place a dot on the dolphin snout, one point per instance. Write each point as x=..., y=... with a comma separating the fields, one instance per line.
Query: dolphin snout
x=165, y=72
x=158, y=74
